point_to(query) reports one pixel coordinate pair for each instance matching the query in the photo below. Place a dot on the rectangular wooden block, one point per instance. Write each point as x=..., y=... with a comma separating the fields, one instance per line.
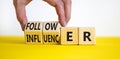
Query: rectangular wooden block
x=87, y=36
x=33, y=32
x=69, y=35
x=51, y=32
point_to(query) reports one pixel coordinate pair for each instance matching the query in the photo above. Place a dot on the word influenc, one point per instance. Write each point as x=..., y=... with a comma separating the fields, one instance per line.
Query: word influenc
x=53, y=33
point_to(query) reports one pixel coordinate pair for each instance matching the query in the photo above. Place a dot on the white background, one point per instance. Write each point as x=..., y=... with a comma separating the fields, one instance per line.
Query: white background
x=104, y=15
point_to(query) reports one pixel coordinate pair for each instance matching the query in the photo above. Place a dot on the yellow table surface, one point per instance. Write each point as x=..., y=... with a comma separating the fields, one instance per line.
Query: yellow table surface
x=14, y=47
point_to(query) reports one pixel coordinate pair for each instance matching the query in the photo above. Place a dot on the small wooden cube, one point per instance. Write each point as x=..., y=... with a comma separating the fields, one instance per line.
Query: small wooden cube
x=51, y=32
x=87, y=36
x=69, y=35
x=33, y=32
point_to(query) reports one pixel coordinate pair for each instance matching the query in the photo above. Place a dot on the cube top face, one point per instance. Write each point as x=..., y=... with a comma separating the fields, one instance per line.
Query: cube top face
x=51, y=26
x=69, y=35
x=87, y=36
x=35, y=26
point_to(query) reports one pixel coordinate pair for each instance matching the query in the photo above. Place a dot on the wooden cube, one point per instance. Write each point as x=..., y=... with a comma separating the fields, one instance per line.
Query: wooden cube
x=51, y=32
x=87, y=36
x=69, y=35
x=33, y=32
